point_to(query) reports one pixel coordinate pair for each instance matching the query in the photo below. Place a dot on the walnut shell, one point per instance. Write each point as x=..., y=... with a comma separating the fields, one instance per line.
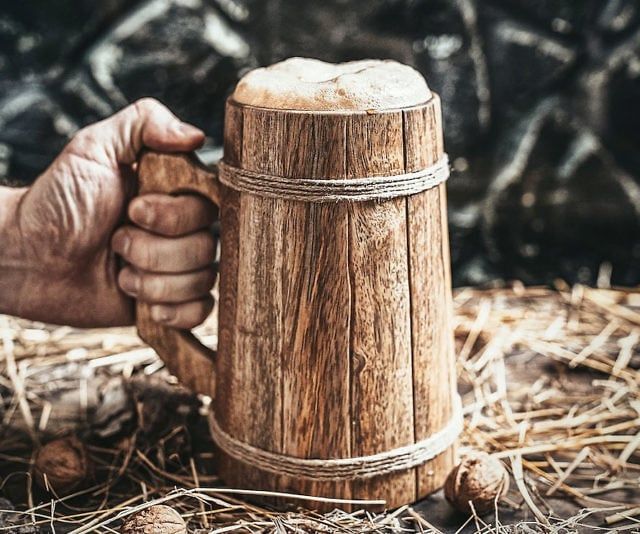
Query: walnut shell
x=480, y=479
x=157, y=519
x=65, y=463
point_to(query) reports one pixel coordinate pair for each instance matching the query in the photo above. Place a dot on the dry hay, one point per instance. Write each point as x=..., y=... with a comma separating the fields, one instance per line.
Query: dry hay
x=550, y=385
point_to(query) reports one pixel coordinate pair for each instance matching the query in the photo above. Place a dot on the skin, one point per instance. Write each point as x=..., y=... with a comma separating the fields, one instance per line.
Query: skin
x=76, y=247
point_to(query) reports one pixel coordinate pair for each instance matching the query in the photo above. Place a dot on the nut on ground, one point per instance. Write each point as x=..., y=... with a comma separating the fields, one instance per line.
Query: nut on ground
x=479, y=479
x=157, y=519
x=64, y=463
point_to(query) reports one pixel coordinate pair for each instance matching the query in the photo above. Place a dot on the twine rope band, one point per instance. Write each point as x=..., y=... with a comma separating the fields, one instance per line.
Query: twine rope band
x=334, y=190
x=361, y=467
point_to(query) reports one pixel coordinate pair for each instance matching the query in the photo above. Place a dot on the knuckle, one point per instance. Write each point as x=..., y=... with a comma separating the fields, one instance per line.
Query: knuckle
x=146, y=105
x=154, y=288
x=173, y=222
x=143, y=255
x=83, y=139
x=150, y=258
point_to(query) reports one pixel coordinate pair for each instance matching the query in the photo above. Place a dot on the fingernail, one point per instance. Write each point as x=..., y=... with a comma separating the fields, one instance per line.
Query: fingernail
x=143, y=213
x=188, y=130
x=121, y=243
x=163, y=314
x=130, y=283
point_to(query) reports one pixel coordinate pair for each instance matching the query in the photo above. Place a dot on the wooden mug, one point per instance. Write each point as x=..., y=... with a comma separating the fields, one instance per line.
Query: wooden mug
x=335, y=336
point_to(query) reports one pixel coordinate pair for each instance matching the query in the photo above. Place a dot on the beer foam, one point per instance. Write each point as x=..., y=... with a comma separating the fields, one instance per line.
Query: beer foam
x=314, y=85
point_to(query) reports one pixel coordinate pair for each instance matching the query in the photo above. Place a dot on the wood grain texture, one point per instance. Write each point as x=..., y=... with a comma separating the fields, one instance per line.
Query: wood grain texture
x=381, y=383
x=184, y=355
x=253, y=410
x=292, y=266
x=432, y=336
x=229, y=385
x=316, y=416
x=335, y=339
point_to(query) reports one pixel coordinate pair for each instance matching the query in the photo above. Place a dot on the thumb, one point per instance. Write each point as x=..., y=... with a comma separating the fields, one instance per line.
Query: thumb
x=145, y=123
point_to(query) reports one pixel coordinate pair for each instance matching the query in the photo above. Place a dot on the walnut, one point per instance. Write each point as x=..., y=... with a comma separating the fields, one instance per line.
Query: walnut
x=480, y=479
x=65, y=464
x=157, y=519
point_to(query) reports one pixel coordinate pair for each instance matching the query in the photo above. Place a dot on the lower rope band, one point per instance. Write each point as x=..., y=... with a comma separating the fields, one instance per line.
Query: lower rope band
x=332, y=190
x=361, y=467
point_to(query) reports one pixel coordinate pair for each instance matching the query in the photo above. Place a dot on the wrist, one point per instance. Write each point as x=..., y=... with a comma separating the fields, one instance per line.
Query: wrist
x=13, y=268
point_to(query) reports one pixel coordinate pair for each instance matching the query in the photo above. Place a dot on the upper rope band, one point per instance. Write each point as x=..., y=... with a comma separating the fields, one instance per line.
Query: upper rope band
x=361, y=467
x=334, y=190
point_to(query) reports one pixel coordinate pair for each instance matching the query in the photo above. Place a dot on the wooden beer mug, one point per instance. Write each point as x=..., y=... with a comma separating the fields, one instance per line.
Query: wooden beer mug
x=334, y=374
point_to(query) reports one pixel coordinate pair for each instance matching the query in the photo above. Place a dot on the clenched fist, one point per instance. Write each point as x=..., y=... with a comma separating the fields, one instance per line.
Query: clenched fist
x=74, y=250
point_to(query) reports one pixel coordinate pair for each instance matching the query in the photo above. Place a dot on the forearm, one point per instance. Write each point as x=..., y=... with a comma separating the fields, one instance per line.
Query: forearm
x=13, y=271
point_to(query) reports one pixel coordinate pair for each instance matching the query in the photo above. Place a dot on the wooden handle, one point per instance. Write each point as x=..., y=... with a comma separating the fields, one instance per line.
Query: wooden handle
x=186, y=358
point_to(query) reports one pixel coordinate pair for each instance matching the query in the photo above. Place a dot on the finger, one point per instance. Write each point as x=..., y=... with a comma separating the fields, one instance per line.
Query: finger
x=159, y=254
x=166, y=288
x=186, y=315
x=145, y=123
x=172, y=216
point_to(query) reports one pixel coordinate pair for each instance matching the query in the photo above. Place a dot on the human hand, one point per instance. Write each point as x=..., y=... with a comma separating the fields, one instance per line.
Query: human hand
x=61, y=238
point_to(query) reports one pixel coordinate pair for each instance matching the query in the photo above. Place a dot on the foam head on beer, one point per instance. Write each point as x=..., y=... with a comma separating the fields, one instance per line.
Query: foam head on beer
x=313, y=85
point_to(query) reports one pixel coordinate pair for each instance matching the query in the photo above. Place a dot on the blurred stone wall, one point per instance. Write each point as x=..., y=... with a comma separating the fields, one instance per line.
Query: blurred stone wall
x=540, y=101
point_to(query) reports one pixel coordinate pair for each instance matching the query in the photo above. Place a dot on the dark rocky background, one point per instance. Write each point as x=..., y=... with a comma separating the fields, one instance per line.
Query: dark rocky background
x=540, y=101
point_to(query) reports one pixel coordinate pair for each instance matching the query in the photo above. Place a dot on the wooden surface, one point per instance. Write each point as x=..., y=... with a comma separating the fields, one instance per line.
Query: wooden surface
x=228, y=392
x=432, y=333
x=381, y=361
x=334, y=318
x=316, y=309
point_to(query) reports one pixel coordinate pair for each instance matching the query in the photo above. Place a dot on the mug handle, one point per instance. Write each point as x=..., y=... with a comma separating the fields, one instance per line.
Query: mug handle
x=184, y=355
